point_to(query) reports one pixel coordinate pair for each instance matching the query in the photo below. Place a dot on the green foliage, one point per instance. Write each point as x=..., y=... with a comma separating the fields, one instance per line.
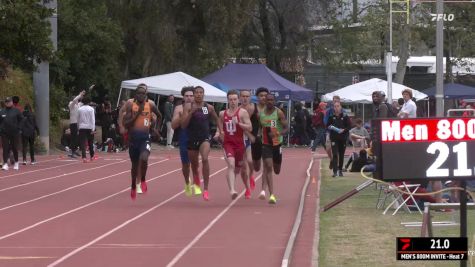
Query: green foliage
x=17, y=83
x=24, y=33
x=89, y=47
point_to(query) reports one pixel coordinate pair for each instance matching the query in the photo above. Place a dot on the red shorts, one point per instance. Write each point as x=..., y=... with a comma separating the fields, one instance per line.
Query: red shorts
x=236, y=152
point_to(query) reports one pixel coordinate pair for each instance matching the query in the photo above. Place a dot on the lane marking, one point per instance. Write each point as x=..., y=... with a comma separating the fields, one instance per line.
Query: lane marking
x=49, y=168
x=206, y=229
x=24, y=257
x=72, y=187
x=59, y=176
x=79, y=249
x=79, y=208
x=298, y=220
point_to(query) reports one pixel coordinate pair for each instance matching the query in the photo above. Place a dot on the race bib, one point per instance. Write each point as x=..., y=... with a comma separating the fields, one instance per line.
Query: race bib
x=148, y=147
x=273, y=123
x=146, y=122
x=205, y=110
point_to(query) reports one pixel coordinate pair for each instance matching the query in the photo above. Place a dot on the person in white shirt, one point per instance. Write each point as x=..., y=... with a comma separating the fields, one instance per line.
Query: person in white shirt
x=87, y=127
x=409, y=108
x=73, y=122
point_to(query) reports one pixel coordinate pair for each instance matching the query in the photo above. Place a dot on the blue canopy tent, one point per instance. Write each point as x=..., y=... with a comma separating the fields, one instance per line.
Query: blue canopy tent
x=226, y=88
x=453, y=90
x=253, y=76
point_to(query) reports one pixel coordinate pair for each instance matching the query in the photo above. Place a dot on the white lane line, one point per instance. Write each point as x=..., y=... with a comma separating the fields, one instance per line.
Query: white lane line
x=79, y=208
x=298, y=219
x=79, y=249
x=72, y=187
x=206, y=229
x=61, y=175
x=49, y=168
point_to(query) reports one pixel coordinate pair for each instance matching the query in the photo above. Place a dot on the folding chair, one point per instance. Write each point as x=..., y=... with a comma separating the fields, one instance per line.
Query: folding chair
x=400, y=199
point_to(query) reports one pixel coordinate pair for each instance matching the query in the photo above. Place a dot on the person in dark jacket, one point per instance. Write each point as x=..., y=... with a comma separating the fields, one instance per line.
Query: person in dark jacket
x=339, y=125
x=10, y=119
x=28, y=129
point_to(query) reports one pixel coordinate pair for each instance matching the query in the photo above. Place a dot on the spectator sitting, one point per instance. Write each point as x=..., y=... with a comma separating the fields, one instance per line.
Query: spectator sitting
x=359, y=137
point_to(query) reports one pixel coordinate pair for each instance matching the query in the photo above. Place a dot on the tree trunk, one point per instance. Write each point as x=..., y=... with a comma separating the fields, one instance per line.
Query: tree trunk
x=403, y=54
x=267, y=32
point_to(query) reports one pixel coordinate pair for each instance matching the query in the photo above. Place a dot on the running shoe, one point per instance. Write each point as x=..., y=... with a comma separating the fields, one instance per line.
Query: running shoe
x=138, y=189
x=33, y=162
x=247, y=195
x=143, y=186
x=196, y=180
x=272, y=199
x=197, y=189
x=188, y=190
x=84, y=160
x=133, y=194
x=24, y=162
x=234, y=195
x=16, y=166
x=5, y=167
x=206, y=195
x=252, y=182
x=262, y=195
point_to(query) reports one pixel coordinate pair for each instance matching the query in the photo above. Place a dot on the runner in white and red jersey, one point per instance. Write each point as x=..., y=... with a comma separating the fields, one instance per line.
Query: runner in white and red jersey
x=232, y=124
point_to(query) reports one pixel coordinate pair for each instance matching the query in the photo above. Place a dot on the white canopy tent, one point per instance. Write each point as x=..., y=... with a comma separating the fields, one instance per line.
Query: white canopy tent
x=361, y=92
x=172, y=83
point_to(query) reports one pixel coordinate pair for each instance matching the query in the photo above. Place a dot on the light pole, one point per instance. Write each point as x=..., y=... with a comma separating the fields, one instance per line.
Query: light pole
x=41, y=81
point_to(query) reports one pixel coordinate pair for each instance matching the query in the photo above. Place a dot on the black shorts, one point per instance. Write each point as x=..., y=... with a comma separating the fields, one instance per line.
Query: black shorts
x=274, y=152
x=195, y=144
x=256, y=149
x=139, y=143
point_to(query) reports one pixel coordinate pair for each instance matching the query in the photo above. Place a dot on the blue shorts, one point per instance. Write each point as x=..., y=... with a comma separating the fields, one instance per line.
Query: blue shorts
x=139, y=142
x=183, y=142
x=247, y=142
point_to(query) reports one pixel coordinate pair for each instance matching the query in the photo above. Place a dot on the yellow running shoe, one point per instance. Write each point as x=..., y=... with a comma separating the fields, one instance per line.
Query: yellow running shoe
x=272, y=199
x=197, y=190
x=188, y=191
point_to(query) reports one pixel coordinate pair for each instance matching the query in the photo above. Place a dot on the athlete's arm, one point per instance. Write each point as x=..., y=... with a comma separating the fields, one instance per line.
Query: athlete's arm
x=220, y=132
x=185, y=120
x=283, y=121
x=130, y=118
x=155, y=110
x=245, y=121
x=176, y=117
x=212, y=112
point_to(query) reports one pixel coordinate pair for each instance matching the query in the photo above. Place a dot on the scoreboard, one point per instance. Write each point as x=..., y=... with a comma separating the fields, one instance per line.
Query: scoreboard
x=430, y=149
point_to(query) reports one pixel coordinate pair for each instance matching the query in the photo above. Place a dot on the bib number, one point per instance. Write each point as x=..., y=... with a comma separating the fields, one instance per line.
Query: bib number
x=205, y=110
x=146, y=122
x=273, y=124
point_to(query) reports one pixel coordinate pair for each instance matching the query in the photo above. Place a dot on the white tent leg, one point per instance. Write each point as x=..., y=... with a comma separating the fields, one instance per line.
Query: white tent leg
x=288, y=122
x=118, y=98
x=363, y=113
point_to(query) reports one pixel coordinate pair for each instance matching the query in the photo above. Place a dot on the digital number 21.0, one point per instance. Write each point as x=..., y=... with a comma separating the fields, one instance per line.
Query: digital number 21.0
x=460, y=149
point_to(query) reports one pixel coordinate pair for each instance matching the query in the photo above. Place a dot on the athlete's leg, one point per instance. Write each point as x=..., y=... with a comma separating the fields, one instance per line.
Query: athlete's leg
x=268, y=170
x=193, y=156
x=231, y=176
x=204, y=152
x=277, y=159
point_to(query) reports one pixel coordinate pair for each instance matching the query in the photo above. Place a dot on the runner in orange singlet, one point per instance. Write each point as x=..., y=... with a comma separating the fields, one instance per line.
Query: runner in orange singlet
x=138, y=121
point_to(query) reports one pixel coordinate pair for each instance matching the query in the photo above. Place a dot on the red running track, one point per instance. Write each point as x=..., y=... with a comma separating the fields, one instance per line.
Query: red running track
x=67, y=213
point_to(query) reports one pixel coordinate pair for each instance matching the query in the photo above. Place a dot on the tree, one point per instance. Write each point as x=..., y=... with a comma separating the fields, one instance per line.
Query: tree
x=24, y=31
x=89, y=45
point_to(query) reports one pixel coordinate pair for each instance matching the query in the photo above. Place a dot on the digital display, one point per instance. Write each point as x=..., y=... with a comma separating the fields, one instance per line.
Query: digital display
x=435, y=148
x=431, y=248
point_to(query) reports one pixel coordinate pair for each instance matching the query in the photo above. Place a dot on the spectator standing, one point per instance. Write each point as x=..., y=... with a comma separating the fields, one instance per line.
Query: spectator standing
x=73, y=122
x=87, y=126
x=28, y=130
x=319, y=126
x=168, y=114
x=10, y=120
x=409, y=108
x=339, y=126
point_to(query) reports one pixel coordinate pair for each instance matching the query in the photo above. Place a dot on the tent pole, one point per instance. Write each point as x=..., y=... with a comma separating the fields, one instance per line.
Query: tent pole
x=363, y=113
x=288, y=122
x=428, y=107
x=118, y=98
